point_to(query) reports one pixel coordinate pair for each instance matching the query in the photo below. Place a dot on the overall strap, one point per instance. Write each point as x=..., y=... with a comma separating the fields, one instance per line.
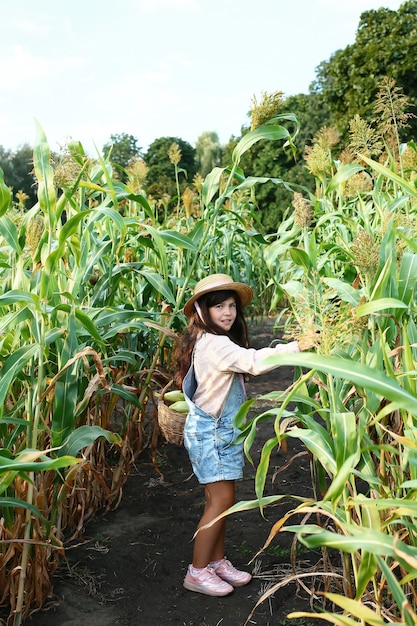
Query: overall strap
x=189, y=384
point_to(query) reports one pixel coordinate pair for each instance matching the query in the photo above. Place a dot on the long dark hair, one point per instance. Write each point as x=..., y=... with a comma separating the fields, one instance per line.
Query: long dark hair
x=197, y=325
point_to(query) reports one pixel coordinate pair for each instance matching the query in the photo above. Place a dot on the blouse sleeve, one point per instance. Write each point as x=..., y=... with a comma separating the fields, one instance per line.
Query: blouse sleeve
x=226, y=356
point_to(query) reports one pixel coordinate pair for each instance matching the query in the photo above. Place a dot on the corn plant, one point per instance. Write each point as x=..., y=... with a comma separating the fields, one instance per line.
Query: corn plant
x=348, y=276
x=91, y=292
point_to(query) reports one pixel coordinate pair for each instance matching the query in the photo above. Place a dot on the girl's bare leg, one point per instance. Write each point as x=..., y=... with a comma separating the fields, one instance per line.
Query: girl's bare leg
x=209, y=543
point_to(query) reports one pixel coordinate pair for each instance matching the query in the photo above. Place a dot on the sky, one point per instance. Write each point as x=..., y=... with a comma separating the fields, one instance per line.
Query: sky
x=89, y=69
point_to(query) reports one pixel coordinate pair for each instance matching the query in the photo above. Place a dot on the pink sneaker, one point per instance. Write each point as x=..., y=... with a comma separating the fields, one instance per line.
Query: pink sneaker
x=207, y=582
x=230, y=574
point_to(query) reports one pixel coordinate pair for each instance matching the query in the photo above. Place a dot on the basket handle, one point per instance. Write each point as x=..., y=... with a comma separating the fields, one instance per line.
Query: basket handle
x=165, y=389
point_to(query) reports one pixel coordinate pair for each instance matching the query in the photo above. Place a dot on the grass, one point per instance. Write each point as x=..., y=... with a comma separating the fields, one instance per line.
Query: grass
x=277, y=551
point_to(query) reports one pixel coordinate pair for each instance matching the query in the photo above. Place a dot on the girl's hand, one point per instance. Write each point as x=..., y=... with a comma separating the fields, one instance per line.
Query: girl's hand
x=303, y=345
x=308, y=341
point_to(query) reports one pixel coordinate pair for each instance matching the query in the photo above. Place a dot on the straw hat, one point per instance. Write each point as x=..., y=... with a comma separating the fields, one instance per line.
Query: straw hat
x=218, y=282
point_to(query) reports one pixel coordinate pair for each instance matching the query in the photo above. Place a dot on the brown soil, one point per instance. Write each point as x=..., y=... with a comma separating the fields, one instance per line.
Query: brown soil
x=130, y=567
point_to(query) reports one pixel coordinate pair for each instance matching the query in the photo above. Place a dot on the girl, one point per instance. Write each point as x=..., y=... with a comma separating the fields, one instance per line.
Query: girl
x=212, y=357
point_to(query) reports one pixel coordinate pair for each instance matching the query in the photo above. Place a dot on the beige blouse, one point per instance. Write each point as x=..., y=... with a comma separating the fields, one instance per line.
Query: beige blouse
x=217, y=358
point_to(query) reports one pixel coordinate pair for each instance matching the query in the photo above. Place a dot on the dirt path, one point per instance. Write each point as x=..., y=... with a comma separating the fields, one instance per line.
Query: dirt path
x=131, y=566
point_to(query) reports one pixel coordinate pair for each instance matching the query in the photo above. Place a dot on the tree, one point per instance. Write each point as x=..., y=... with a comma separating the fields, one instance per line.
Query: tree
x=347, y=85
x=385, y=45
x=271, y=159
x=161, y=179
x=208, y=152
x=122, y=148
x=18, y=167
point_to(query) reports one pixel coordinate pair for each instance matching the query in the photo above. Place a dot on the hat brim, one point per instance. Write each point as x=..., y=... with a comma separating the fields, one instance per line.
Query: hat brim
x=244, y=291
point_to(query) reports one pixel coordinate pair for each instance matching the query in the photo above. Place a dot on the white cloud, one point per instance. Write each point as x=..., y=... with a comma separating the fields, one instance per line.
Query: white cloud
x=354, y=7
x=20, y=68
x=150, y=6
x=30, y=27
x=176, y=67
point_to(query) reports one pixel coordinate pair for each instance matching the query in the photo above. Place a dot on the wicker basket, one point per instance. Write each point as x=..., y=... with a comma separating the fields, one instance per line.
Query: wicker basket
x=171, y=423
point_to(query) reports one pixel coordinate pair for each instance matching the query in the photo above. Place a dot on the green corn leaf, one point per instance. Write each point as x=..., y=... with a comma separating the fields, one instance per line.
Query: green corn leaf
x=356, y=608
x=19, y=464
x=71, y=226
x=341, y=479
x=159, y=247
x=293, y=288
x=84, y=319
x=401, y=506
x=51, y=336
x=177, y=239
x=5, y=195
x=84, y=436
x=9, y=502
x=247, y=505
x=122, y=356
x=262, y=469
x=16, y=467
x=407, y=277
x=367, y=569
x=369, y=540
x=197, y=232
x=407, y=186
x=211, y=185
x=15, y=295
x=9, y=232
x=249, y=440
x=345, y=292
x=345, y=436
x=250, y=505
x=357, y=373
x=144, y=204
x=44, y=175
x=319, y=444
x=251, y=181
x=66, y=388
x=336, y=619
x=262, y=132
x=159, y=285
x=14, y=318
x=65, y=401
x=381, y=304
x=300, y=257
x=395, y=588
x=125, y=394
x=108, y=316
x=104, y=211
x=240, y=417
x=343, y=174
x=12, y=367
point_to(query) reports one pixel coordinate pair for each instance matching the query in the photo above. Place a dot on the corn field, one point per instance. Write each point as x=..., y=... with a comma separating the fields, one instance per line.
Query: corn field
x=91, y=293
x=347, y=269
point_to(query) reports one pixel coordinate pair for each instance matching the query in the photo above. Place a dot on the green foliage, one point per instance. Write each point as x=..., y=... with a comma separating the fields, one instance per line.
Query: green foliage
x=161, y=179
x=88, y=307
x=346, y=86
x=5, y=194
x=94, y=276
x=384, y=46
x=17, y=167
x=208, y=152
x=272, y=199
x=349, y=272
x=122, y=149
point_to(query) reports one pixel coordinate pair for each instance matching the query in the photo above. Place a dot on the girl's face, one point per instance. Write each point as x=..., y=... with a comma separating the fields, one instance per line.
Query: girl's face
x=223, y=314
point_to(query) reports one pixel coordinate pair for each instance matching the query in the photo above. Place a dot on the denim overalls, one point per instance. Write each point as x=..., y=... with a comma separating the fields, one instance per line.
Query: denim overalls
x=209, y=440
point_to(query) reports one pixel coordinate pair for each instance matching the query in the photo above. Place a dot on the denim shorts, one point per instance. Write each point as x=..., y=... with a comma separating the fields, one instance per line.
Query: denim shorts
x=210, y=445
